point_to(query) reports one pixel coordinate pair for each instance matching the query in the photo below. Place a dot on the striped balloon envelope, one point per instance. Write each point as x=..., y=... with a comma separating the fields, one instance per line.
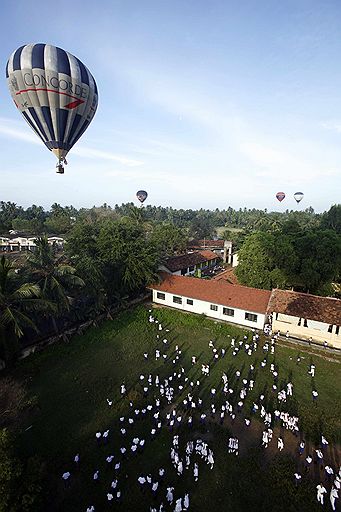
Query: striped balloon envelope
x=141, y=195
x=298, y=196
x=280, y=196
x=56, y=94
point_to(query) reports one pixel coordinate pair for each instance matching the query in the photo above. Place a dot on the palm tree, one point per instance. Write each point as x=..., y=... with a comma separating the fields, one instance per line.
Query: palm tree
x=56, y=279
x=18, y=300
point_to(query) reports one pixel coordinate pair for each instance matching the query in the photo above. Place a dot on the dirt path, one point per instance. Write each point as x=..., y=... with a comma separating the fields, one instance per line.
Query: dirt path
x=328, y=354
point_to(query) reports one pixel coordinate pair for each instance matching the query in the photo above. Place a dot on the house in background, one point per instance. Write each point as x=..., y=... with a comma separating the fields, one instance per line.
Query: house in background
x=27, y=243
x=189, y=264
x=227, y=275
x=3, y=243
x=306, y=316
x=217, y=299
x=223, y=248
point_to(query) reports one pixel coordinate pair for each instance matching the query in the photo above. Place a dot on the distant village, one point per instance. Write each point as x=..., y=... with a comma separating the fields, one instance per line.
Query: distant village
x=17, y=242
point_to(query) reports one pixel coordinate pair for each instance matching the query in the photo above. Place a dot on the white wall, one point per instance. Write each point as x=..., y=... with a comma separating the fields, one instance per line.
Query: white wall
x=235, y=260
x=200, y=307
x=318, y=331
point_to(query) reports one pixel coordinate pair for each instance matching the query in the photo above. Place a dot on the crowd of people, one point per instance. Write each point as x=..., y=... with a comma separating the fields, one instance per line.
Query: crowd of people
x=182, y=399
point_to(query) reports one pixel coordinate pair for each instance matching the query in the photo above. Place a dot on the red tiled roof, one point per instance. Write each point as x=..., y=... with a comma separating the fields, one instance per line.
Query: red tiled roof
x=215, y=292
x=175, y=263
x=206, y=243
x=304, y=305
x=227, y=275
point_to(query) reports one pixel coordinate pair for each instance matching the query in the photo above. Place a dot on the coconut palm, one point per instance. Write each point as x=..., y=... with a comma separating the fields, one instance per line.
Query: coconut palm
x=18, y=300
x=55, y=278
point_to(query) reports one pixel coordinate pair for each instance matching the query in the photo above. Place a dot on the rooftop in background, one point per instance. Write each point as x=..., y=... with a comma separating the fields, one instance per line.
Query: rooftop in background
x=304, y=305
x=175, y=263
x=227, y=275
x=216, y=292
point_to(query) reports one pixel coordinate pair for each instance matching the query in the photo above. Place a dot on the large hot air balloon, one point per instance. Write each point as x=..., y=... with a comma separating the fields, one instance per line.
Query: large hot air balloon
x=280, y=196
x=141, y=195
x=56, y=94
x=298, y=196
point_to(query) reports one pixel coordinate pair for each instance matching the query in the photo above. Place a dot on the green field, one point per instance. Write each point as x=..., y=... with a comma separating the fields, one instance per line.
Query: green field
x=221, y=229
x=68, y=385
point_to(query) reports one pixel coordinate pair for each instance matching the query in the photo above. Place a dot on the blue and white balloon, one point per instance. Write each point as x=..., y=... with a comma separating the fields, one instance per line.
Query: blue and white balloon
x=298, y=196
x=56, y=94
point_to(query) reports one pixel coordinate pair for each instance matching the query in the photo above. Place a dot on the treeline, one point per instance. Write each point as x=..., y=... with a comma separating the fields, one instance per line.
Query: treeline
x=106, y=262
x=199, y=223
x=305, y=259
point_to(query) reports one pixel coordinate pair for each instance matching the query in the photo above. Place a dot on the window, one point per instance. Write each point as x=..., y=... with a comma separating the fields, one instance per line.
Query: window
x=161, y=295
x=190, y=302
x=305, y=323
x=191, y=269
x=299, y=322
x=276, y=316
x=184, y=271
x=213, y=307
x=330, y=328
x=337, y=329
x=251, y=317
x=177, y=300
x=228, y=311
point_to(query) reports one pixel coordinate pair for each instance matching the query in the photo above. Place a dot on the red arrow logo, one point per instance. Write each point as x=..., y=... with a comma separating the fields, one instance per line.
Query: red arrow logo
x=74, y=104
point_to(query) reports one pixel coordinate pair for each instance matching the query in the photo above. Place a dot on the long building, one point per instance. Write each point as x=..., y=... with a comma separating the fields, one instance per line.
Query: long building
x=303, y=315
x=306, y=316
x=217, y=299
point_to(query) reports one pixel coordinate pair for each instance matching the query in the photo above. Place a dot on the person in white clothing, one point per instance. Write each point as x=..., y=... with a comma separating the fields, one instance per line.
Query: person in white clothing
x=289, y=389
x=297, y=478
x=265, y=439
x=178, y=505
x=333, y=495
x=186, y=501
x=280, y=444
x=210, y=459
x=169, y=495
x=155, y=487
x=321, y=490
x=324, y=442
x=196, y=472
x=66, y=478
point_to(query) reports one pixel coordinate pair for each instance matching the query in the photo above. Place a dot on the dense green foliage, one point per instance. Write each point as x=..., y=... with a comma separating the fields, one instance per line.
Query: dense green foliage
x=113, y=253
x=20, y=484
x=198, y=223
x=332, y=219
x=19, y=300
x=307, y=260
x=71, y=382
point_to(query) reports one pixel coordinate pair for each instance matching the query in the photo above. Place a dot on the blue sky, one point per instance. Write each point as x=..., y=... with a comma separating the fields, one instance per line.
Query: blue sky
x=202, y=104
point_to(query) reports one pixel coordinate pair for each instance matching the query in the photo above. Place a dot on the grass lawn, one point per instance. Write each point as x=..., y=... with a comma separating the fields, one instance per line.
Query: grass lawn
x=69, y=385
x=221, y=229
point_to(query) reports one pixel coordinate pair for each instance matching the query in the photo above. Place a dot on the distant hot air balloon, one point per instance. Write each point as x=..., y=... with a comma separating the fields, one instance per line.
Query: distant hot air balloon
x=280, y=196
x=56, y=94
x=141, y=195
x=298, y=196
